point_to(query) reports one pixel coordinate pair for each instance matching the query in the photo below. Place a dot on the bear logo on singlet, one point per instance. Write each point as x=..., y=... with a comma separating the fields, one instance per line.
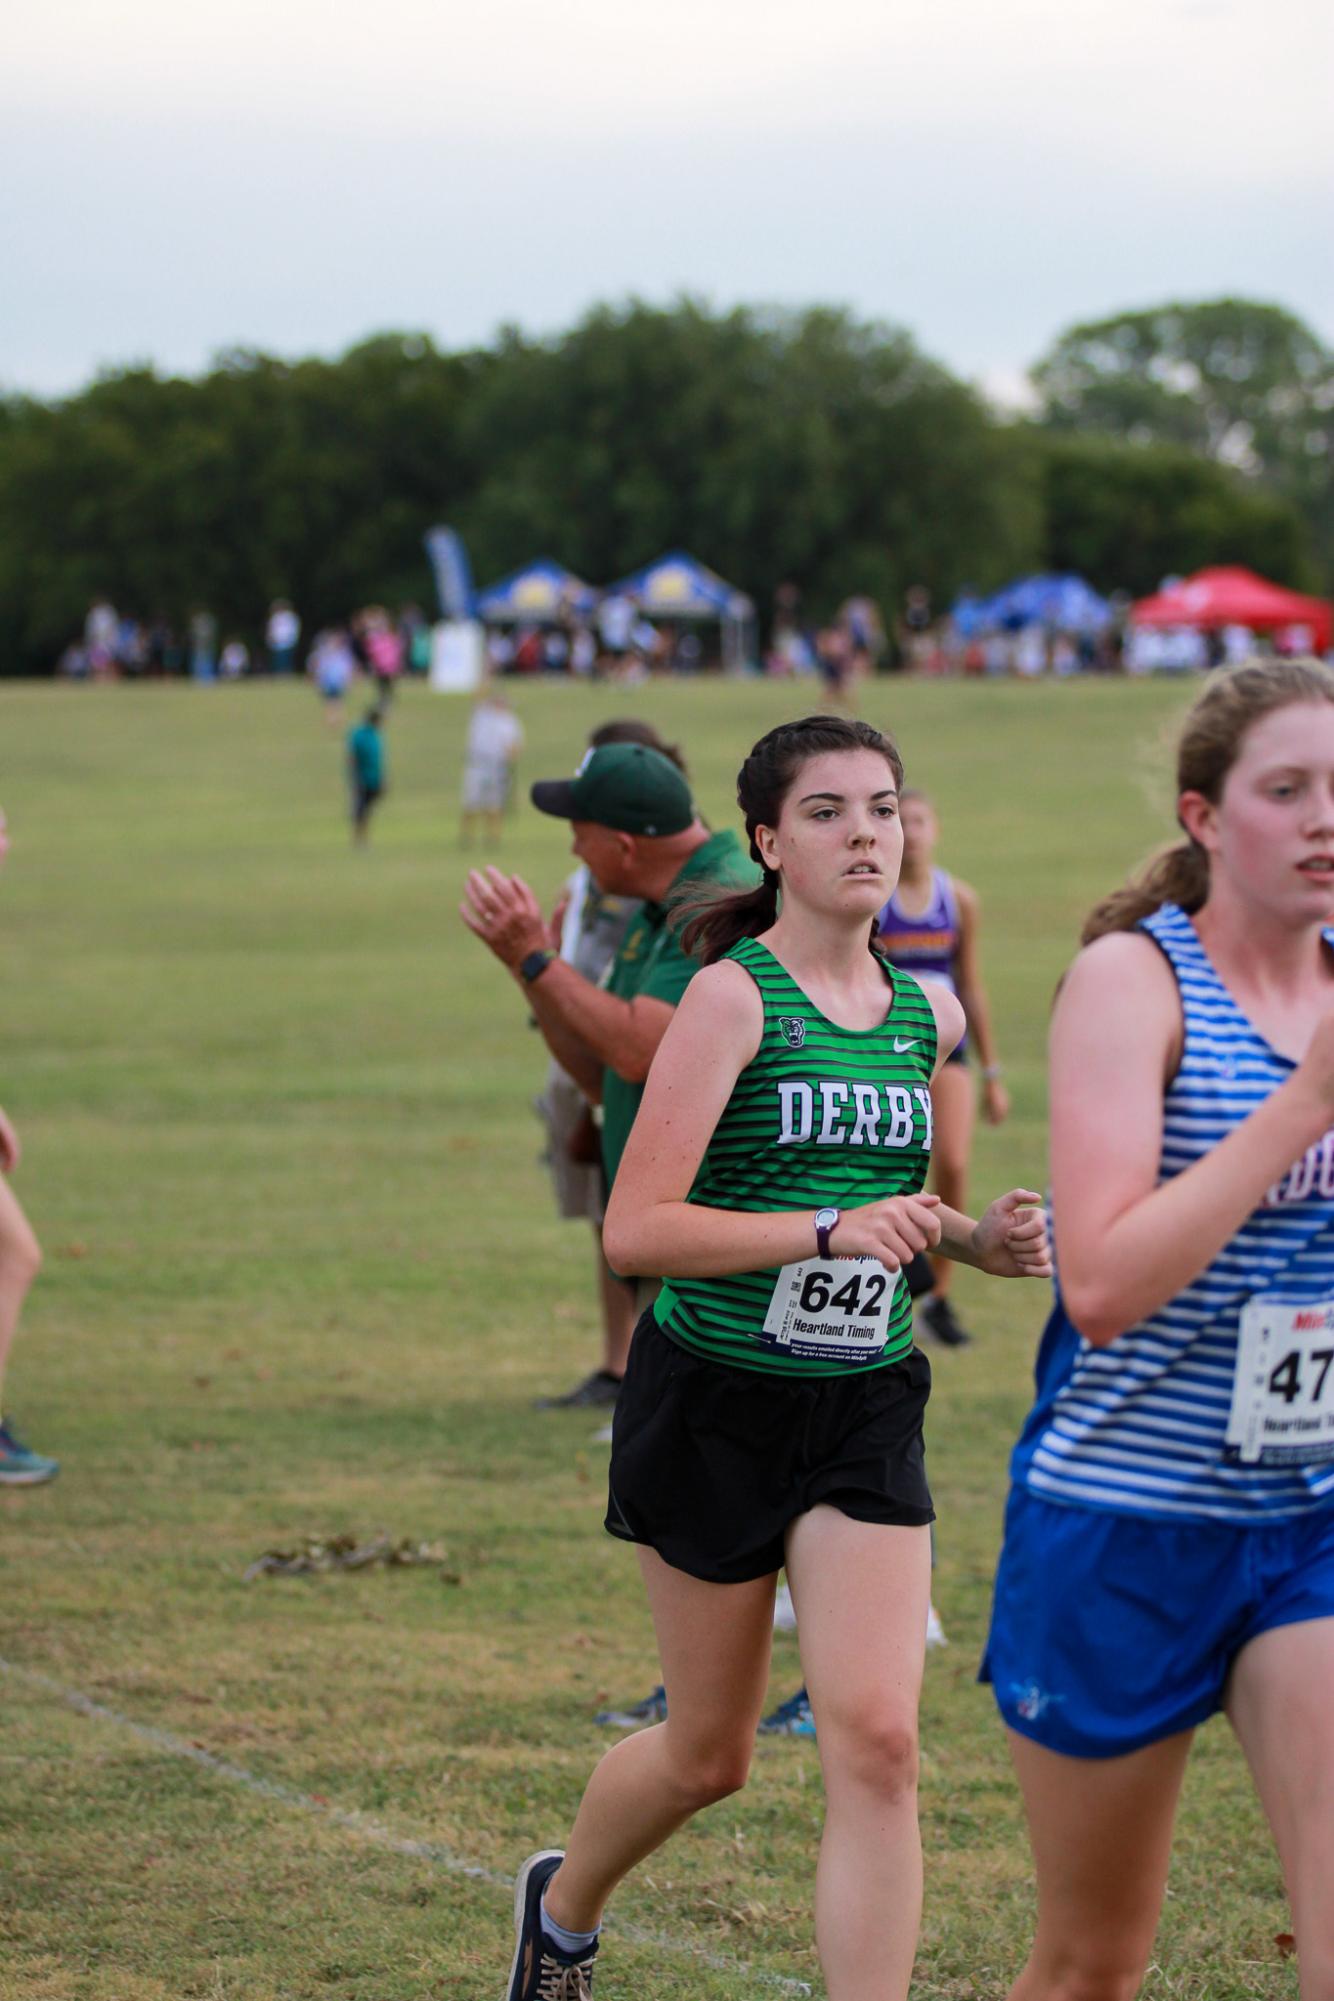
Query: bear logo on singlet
x=793, y=1030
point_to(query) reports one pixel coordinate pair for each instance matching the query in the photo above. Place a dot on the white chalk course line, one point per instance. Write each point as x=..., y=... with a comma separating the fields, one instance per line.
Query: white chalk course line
x=360, y=1824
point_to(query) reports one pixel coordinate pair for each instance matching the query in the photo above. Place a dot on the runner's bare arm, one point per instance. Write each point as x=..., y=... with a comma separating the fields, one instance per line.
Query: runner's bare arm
x=1127, y=1243
x=949, y=1015
x=976, y=1004
x=652, y=1231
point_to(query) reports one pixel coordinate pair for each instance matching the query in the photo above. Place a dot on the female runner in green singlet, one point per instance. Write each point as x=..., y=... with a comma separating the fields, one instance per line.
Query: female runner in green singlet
x=772, y=1408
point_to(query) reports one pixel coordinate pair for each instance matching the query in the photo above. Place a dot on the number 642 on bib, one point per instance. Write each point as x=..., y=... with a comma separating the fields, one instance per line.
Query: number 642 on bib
x=835, y=1306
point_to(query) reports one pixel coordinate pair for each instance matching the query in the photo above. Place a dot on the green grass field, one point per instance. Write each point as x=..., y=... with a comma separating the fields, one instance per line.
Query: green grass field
x=303, y=1274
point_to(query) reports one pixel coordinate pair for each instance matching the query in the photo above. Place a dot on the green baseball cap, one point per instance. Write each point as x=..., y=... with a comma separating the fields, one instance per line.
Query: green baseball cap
x=621, y=785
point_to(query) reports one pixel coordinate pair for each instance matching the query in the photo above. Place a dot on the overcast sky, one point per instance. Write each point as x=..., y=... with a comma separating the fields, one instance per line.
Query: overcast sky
x=296, y=174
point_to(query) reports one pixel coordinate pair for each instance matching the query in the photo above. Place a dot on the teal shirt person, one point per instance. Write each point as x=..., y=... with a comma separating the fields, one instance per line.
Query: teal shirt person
x=365, y=756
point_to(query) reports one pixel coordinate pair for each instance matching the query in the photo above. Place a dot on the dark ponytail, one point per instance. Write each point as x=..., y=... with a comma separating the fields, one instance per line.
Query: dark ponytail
x=711, y=925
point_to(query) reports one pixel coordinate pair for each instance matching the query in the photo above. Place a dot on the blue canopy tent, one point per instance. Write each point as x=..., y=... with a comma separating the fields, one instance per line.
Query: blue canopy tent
x=677, y=586
x=1060, y=603
x=538, y=594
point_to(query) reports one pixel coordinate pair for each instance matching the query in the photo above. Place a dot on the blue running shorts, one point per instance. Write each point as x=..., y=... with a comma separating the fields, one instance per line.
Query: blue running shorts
x=1110, y=1632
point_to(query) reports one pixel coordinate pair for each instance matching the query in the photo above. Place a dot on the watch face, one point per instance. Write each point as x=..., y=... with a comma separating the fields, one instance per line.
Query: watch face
x=825, y=1219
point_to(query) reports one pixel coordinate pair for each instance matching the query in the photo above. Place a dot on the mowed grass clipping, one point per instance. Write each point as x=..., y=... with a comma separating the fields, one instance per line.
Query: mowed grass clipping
x=303, y=1276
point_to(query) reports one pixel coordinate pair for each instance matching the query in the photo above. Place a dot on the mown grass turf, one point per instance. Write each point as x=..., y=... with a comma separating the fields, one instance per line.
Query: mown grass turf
x=303, y=1275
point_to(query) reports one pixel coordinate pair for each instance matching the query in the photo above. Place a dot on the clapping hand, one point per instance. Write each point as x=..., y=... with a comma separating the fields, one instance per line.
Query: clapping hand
x=505, y=914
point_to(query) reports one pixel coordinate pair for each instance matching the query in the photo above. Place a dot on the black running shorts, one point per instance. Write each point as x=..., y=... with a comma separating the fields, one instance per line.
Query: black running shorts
x=710, y=1464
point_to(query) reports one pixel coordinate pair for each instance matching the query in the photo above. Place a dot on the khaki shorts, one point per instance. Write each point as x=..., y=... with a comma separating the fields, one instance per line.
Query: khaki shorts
x=579, y=1186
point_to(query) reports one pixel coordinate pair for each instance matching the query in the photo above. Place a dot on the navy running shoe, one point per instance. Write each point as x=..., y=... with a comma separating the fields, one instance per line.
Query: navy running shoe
x=539, y=1971
x=653, y=1709
x=791, y=1718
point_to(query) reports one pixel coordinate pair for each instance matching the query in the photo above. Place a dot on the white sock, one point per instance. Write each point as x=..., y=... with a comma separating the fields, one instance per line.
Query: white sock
x=570, y=1943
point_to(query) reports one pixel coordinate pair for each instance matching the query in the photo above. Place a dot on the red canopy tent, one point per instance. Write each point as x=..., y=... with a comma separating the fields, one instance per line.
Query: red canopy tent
x=1235, y=597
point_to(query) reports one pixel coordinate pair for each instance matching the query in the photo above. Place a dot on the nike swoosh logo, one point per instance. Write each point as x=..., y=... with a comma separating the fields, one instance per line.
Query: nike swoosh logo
x=903, y=1042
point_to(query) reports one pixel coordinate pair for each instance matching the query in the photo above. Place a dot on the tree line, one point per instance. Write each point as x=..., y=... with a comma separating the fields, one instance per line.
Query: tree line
x=808, y=446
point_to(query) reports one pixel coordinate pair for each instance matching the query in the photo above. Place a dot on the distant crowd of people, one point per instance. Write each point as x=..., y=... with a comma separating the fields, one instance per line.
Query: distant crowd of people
x=616, y=642
x=120, y=646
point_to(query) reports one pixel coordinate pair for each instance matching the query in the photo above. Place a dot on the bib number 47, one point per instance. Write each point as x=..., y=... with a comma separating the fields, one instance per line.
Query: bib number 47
x=1287, y=1380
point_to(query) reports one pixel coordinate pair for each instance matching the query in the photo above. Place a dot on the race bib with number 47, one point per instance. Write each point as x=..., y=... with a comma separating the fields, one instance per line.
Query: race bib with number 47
x=1283, y=1392
x=832, y=1307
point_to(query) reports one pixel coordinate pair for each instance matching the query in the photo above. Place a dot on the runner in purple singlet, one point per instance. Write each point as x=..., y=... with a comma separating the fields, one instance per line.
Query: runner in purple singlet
x=929, y=929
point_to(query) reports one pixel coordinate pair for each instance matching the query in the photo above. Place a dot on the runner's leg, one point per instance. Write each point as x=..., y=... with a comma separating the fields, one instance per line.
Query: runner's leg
x=20, y=1262
x=714, y=1642
x=1278, y=1703
x=1101, y=1832
x=861, y=1591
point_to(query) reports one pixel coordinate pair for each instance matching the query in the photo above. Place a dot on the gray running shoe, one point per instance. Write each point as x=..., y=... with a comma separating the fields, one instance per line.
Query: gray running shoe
x=942, y=1323
x=596, y=1392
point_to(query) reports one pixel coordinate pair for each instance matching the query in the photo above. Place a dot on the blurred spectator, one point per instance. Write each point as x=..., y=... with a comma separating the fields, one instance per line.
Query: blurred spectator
x=1030, y=652
x=998, y=652
x=495, y=738
x=131, y=648
x=1064, y=655
x=866, y=629
x=234, y=660
x=645, y=644
x=616, y=619
x=101, y=632
x=833, y=652
x=162, y=647
x=281, y=636
x=915, y=627
x=365, y=771
x=528, y=650
x=384, y=651
x=332, y=665
x=583, y=652
x=415, y=634
x=499, y=650
x=203, y=646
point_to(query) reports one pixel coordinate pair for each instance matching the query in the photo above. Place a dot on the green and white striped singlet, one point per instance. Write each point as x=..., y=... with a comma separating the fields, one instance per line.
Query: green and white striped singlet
x=822, y=1117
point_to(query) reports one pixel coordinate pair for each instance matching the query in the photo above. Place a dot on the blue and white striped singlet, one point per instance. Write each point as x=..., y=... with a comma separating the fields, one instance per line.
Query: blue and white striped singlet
x=1138, y=1427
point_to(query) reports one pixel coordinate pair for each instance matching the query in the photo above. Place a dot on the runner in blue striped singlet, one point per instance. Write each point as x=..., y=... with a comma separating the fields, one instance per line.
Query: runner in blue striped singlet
x=929, y=928
x=1169, y=1540
x=771, y=1414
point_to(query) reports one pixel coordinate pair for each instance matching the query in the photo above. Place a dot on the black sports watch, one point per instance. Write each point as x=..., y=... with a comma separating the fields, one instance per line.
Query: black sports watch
x=534, y=965
x=825, y=1220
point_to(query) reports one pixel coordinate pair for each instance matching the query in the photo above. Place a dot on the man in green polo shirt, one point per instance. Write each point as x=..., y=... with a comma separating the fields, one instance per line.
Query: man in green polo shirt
x=635, y=826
